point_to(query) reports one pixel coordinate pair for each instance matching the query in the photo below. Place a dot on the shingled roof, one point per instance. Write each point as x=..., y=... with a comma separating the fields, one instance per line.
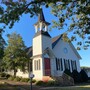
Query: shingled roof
x=54, y=42
x=41, y=18
x=42, y=33
x=29, y=51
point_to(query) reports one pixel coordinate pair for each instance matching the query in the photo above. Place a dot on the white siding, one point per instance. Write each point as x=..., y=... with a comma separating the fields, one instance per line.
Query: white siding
x=59, y=53
x=38, y=73
x=22, y=74
x=46, y=42
x=37, y=45
x=40, y=43
x=19, y=73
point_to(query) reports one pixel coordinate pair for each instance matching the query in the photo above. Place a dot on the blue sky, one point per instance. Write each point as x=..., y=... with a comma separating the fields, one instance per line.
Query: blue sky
x=25, y=27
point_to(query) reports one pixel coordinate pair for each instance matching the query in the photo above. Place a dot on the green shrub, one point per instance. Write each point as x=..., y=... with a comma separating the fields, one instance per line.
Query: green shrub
x=88, y=78
x=68, y=72
x=17, y=78
x=33, y=80
x=11, y=78
x=2, y=74
x=76, y=76
x=84, y=76
x=40, y=83
x=49, y=83
x=25, y=80
x=7, y=76
x=52, y=83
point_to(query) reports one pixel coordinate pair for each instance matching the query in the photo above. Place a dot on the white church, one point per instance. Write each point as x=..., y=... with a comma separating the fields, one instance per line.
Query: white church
x=50, y=56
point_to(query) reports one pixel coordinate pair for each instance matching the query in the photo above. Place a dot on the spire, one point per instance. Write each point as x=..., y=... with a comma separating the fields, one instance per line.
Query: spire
x=41, y=16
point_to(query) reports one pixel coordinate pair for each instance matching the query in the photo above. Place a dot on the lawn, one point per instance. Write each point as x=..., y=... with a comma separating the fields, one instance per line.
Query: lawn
x=6, y=86
x=69, y=88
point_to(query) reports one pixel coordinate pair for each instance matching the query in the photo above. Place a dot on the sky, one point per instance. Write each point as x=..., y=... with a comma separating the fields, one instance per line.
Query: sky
x=25, y=27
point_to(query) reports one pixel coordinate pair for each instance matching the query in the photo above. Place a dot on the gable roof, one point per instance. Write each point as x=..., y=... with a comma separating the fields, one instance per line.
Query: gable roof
x=55, y=40
x=75, y=51
x=29, y=51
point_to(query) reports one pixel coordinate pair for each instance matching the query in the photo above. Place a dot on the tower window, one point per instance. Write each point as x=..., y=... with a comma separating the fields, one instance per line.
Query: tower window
x=37, y=64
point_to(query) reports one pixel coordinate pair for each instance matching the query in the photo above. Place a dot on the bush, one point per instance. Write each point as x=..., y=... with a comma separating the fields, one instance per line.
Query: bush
x=88, y=78
x=49, y=83
x=4, y=75
x=7, y=76
x=68, y=72
x=25, y=80
x=40, y=83
x=11, y=78
x=33, y=81
x=52, y=83
x=17, y=78
x=76, y=76
x=84, y=76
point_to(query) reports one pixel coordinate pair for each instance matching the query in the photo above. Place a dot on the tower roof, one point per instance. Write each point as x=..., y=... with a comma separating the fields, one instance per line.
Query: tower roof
x=41, y=18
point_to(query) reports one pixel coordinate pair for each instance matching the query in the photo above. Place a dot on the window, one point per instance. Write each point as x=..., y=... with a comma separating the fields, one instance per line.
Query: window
x=56, y=64
x=67, y=64
x=59, y=65
x=37, y=64
x=73, y=64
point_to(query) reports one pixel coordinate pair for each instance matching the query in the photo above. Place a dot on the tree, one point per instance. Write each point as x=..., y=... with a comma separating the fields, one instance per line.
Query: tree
x=14, y=55
x=2, y=46
x=77, y=12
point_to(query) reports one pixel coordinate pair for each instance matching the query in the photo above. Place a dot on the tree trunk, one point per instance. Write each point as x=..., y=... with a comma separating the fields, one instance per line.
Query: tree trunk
x=15, y=71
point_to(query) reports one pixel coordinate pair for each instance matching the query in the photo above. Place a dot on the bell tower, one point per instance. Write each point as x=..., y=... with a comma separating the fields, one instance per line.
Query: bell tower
x=41, y=41
x=41, y=24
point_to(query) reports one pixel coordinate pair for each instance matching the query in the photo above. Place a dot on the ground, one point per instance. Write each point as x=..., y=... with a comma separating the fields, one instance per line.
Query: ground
x=11, y=85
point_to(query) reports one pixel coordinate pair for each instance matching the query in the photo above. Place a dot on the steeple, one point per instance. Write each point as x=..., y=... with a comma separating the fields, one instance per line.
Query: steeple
x=41, y=24
x=41, y=16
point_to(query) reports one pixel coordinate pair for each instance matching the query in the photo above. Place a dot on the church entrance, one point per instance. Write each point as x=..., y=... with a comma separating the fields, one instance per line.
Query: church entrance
x=47, y=66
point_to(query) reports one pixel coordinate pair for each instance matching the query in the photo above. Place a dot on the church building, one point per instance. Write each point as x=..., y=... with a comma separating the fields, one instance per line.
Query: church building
x=51, y=56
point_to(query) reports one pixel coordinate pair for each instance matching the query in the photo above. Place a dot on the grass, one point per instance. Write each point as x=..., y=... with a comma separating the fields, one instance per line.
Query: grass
x=9, y=87
x=70, y=88
x=6, y=86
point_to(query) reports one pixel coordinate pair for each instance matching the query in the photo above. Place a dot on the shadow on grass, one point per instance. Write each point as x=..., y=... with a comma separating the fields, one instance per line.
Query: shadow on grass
x=17, y=87
x=7, y=85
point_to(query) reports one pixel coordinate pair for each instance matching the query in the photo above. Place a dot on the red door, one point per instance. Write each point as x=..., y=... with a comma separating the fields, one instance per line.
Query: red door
x=47, y=67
